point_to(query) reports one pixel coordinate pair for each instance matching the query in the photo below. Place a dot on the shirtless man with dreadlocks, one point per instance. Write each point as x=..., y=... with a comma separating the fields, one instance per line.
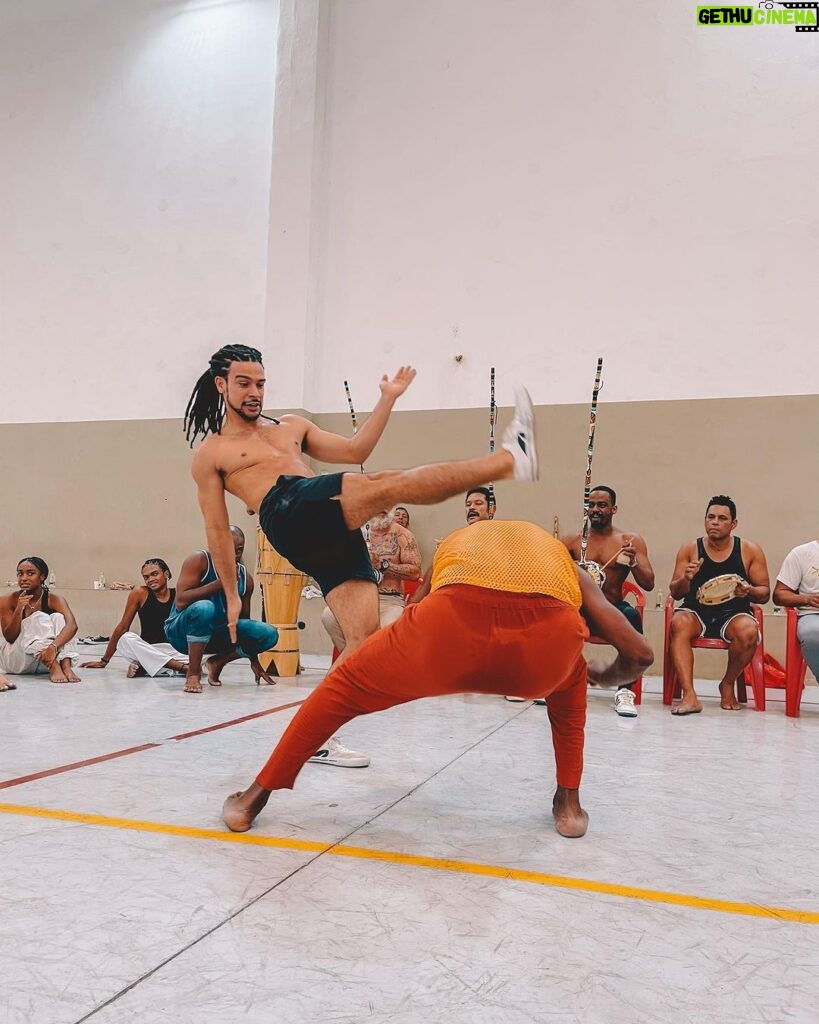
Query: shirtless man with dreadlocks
x=315, y=521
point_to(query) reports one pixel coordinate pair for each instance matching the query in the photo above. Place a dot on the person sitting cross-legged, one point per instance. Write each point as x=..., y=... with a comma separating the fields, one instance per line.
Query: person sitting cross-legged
x=149, y=653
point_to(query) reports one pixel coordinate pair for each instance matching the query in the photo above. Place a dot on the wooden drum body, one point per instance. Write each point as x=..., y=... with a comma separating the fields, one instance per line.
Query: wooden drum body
x=281, y=595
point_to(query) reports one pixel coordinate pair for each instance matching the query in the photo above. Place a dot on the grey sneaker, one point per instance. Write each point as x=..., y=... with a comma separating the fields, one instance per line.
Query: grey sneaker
x=337, y=754
x=519, y=437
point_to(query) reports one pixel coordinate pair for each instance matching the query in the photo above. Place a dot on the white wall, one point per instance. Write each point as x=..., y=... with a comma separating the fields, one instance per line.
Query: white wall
x=525, y=182
x=134, y=191
x=533, y=183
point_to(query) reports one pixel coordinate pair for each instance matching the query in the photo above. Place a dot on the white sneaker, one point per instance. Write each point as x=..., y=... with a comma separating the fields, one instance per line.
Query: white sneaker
x=337, y=754
x=519, y=437
x=624, y=703
x=517, y=700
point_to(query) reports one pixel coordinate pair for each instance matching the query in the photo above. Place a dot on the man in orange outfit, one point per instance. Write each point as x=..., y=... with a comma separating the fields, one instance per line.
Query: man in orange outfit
x=505, y=607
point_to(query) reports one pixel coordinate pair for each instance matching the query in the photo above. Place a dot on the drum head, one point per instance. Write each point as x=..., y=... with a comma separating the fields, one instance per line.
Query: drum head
x=719, y=589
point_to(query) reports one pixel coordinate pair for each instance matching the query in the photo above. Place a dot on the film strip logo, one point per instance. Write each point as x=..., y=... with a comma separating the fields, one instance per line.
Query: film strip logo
x=799, y=7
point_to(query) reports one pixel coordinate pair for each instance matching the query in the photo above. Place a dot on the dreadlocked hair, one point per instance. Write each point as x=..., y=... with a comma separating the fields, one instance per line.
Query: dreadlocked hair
x=205, y=413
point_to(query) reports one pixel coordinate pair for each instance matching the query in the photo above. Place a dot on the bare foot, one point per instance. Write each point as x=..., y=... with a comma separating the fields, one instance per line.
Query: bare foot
x=6, y=684
x=193, y=684
x=571, y=821
x=56, y=674
x=134, y=670
x=687, y=706
x=213, y=669
x=728, y=701
x=70, y=674
x=239, y=810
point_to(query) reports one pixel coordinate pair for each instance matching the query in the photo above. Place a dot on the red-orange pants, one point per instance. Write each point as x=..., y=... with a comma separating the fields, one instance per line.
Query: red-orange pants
x=459, y=639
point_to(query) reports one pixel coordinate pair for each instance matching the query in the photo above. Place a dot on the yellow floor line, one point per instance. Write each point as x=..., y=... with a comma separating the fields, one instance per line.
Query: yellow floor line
x=434, y=863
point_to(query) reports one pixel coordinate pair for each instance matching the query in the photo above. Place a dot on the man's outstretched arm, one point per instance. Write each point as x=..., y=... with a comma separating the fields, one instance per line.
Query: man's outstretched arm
x=326, y=447
x=607, y=622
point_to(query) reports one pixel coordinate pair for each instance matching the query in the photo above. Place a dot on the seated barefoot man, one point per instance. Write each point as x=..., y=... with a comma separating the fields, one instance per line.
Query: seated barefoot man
x=715, y=554
x=197, y=621
x=505, y=607
x=37, y=627
x=395, y=556
x=315, y=521
x=149, y=653
x=620, y=553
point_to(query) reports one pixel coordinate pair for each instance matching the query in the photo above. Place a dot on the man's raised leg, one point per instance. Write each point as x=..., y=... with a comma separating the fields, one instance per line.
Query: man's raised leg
x=363, y=495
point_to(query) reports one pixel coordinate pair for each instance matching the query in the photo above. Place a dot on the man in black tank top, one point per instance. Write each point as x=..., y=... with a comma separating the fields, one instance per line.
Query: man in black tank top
x=718, y=553
x=149, y=654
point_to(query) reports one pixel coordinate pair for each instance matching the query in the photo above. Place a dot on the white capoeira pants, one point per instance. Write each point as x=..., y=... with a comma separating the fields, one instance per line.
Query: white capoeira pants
x=37, y=632
x=152, y=657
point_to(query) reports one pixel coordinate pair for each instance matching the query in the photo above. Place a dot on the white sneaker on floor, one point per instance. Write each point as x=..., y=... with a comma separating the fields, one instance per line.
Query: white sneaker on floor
x=517, y=700
x=519, y=437
x=624, y=703
x=337, y=754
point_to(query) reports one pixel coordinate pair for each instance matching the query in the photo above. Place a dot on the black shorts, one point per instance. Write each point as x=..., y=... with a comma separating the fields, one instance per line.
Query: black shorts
x=304, y=522
x=715, y=620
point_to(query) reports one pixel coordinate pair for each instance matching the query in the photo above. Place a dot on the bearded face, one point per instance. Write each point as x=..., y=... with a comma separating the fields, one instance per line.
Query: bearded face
x=383, y=521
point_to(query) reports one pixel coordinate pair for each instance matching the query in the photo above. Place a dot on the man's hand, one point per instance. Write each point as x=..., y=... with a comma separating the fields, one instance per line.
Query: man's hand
x=692, y=569
x=93, y=664
x=233, y=605
x=597, y=673
x=49, y=655
x=259, y=673
x=810, y=600
x=628, y=552
x=743, y=589
x=399, y=384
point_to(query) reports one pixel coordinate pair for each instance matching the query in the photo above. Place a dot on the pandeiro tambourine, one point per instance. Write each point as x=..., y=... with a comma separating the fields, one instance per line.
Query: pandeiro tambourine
x=719, y=589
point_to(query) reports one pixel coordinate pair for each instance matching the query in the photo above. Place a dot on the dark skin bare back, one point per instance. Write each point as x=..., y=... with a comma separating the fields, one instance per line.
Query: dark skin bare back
x=607, y=543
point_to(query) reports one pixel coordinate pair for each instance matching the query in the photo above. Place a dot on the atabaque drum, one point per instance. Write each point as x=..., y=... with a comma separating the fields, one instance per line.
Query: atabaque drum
x=281, y=595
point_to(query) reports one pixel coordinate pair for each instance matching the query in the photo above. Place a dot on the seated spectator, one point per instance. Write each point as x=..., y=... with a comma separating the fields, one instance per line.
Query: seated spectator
x=716, y=554
x=197, y=621
x=149, y=653
x=401, y=516
x=620, y=553
x=797, y=586
x=395, y=555
x=38, y=627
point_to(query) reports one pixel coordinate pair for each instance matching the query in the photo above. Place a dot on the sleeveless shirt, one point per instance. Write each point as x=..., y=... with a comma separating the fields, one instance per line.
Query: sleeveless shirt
x=152, y=616
x=708, y=570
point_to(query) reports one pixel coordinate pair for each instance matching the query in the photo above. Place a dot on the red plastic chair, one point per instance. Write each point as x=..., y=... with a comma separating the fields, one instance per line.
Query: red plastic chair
x=795, y=667
x=754, y=674
x=640, y=605
x=410, y=586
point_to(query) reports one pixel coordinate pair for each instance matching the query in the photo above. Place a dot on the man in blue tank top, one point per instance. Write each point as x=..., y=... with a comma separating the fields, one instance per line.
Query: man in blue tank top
x=718, y=553
x=198, y=619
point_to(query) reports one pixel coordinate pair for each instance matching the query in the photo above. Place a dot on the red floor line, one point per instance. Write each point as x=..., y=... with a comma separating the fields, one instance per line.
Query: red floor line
x=145, y=746
x=236, y=721
x=76, y=764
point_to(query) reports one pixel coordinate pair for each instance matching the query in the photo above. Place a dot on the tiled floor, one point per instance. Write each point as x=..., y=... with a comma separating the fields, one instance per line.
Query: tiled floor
x=123, y=900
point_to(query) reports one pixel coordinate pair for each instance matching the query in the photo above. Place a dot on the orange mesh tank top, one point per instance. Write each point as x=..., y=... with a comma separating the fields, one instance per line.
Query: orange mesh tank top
x=508, y=555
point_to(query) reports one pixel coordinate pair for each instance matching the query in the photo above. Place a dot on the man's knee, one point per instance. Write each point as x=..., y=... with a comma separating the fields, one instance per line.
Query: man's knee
x=199, y=619
x=684, y=627
x=743, y=634
x=254, y=637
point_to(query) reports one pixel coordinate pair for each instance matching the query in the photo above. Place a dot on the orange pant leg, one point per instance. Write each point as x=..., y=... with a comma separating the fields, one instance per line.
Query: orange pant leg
x=459, y=639
x=567, y=716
